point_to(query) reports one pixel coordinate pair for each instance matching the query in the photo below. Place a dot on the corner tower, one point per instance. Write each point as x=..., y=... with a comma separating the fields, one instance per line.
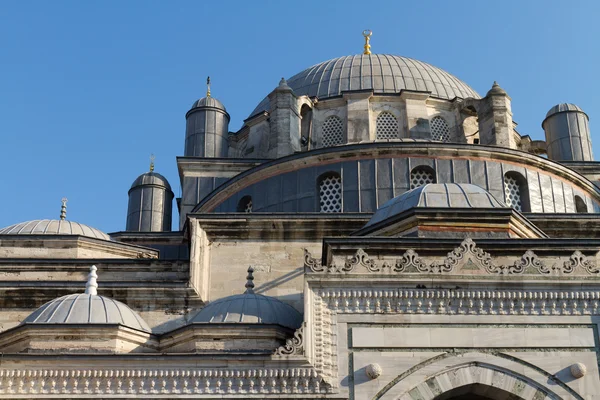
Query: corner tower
x=568, y=134
x=207, y=127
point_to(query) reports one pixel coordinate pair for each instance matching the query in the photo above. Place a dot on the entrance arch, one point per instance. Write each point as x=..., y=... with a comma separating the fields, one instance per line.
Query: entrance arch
x=478, y=381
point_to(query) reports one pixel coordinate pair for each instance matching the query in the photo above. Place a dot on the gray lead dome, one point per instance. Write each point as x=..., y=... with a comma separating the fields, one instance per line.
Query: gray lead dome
x=86, y=309
x=250, y=308
x=382, y=73
x=53, y=227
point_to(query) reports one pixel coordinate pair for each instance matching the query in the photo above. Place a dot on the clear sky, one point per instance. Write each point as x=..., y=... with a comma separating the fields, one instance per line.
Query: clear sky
x=88, y=90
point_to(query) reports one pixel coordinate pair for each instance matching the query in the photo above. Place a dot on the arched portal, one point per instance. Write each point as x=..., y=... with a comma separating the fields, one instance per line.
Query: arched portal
x=477, y=391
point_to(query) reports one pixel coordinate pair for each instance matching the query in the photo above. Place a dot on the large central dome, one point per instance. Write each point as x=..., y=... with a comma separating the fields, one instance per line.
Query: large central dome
x=382, y=73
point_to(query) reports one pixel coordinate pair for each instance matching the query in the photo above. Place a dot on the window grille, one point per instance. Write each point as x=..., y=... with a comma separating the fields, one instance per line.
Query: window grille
x=245, y=205
x=512, y=192
x=386, y=126
x=332, y=132
x=330, y=194
x=420, y=177
x=439, y=129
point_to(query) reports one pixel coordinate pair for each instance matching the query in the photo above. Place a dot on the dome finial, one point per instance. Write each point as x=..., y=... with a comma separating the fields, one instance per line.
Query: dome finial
x=208, y=86
x=92, y=285
x=63, y=209
x=367, y=34
x=249, y=281
x=152, y=158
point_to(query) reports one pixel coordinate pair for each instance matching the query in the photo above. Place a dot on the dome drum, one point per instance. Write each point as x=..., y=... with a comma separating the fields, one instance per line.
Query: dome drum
x=207, y=129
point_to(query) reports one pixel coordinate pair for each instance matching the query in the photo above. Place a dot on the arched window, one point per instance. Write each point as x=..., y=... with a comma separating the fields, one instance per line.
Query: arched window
x=516, y=192
x=386, y=126
x=439, y=129
x=421, y=175
x=245, y=204
x=470, y=124
x=580, y=205
x=332, y=131
x=330, y=193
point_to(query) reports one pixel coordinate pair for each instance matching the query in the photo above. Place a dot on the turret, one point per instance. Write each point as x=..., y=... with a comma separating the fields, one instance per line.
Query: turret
x=568, y=134
x=207, y=128
x=150, y=203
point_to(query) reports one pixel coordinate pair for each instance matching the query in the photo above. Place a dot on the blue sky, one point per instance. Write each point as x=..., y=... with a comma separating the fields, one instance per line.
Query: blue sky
x=88, y=90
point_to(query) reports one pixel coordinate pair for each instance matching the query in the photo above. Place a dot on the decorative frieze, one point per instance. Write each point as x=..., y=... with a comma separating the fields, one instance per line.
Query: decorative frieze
x=467, y=259
x=470, y=302
x=161, y=382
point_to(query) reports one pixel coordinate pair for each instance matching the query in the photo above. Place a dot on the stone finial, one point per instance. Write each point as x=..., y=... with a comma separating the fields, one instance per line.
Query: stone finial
x=374, y=371
x=283, y=86
x=92, y=285
x=496, y=90
x=578, y=370
x=63, y=209
x=249, y=281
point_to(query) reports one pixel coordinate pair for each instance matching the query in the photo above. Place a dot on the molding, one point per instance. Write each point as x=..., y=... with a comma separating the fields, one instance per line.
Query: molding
x=293, y=346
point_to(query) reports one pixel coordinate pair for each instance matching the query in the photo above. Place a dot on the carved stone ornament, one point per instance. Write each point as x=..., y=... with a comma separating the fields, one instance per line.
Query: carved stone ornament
x=579, y=260
x=467, y=247
x=529, y=263
x=314, y=264
x=578, y=370
x=410, y=262
x=293, y=346
x=373, y=371
x=360, y=258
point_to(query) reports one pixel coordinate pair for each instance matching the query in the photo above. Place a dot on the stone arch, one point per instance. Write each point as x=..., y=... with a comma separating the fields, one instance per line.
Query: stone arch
x=306, y=122
x=477, y=378
x=452, y=370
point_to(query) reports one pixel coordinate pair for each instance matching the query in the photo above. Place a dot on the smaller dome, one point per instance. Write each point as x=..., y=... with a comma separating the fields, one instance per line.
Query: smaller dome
x=496, y=90
x=53, y=227
x=563, y=107
x=86, y=308
x=208, y=102
x=437, y=195
x=151, y=179
x=249, y=308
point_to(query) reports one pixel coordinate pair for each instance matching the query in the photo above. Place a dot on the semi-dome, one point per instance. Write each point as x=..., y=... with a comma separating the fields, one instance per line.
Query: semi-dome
x=53, y=227
x=563, y=107
x=437, y=195
x=249, y=308
x=87, y=308
x=382, y=73
x=151, y=179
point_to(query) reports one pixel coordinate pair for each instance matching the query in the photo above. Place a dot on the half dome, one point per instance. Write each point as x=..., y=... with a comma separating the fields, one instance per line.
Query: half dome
x=437, y=195
x=382, y=73
x=86, y=308
x=53, y=227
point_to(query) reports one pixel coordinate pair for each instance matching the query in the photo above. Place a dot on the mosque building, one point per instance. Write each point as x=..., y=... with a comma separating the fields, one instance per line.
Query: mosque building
x=375, y=230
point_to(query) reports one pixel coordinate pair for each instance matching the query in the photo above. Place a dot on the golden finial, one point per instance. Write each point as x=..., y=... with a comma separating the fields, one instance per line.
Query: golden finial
x=152, y=162
x=63, y=209
x=367, y=34
x=208, y=86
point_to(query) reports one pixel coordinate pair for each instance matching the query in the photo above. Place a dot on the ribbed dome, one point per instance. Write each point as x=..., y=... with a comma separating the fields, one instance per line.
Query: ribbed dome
x=437, y=195
x=151, y=179
x=382, y=73
x=86, y=309
x=250, y=308
x=562, y=108
x=53, y=227
x=208, y=102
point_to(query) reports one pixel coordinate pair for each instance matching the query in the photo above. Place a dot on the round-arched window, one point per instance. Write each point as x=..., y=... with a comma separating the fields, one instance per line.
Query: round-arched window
x=330, y=193
x=420, y=176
